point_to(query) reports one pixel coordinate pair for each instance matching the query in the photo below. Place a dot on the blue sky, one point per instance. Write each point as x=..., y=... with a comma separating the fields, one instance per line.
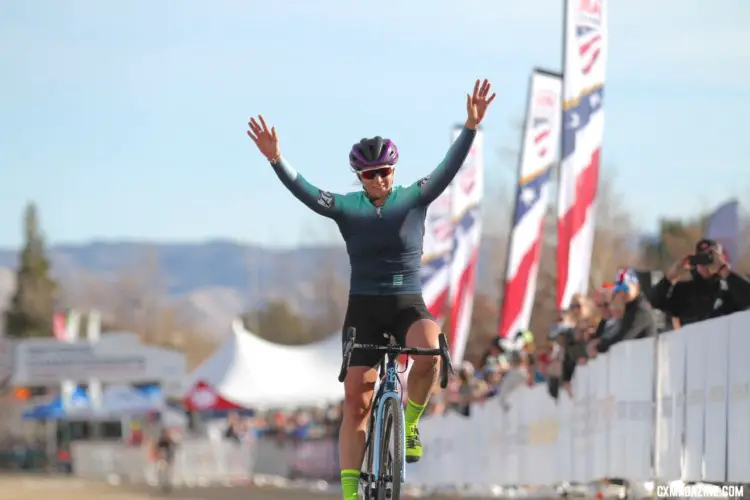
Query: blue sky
x=127, y=119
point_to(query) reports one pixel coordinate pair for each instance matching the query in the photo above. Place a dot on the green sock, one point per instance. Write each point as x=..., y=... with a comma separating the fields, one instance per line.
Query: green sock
x=350, y=483
x=412, y=414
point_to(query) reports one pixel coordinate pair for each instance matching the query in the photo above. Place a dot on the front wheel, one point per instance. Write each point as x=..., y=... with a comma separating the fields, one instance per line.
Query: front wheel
x=391, y=451
x=164, y=479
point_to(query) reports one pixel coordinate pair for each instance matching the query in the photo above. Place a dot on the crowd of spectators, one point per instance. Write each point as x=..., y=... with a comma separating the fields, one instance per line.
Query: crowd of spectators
x=697, y=287
x=285, y=425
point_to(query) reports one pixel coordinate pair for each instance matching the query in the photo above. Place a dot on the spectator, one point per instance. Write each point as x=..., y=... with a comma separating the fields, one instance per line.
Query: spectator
x=572, y=334
x=493, y=373
x=495, y=350
x=543, y=358
x=581, y=307
x=575, y=340
x=701, y=286
x=535, y=371
x=471, y=389
x=608, y=324
x=556, y=357
x=631, y=311
x=515, y=377
x=234, y=429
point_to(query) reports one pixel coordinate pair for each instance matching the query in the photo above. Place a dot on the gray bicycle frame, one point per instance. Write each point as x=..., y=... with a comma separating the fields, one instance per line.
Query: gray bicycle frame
x=390, y=391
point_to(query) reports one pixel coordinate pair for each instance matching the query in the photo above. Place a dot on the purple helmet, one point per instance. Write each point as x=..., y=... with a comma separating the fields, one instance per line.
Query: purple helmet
x=372, y=152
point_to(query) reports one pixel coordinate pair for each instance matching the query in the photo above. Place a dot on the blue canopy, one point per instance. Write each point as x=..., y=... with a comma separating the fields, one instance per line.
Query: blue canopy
x=54, y=410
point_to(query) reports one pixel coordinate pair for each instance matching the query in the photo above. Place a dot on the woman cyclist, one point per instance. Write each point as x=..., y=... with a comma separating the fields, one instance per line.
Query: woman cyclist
x=383, y=228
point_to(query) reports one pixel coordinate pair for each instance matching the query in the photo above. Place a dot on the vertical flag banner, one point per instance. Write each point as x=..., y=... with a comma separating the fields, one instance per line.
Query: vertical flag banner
x=540, y=152
x=467, y=190
x=437, y=250
x=60, y=326
x=584, y=64
x=723, y=226
x=68, y=388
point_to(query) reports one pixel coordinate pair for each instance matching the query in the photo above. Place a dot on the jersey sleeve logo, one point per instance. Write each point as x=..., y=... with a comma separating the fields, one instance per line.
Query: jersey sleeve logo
x=423, y=181
x=325, y=199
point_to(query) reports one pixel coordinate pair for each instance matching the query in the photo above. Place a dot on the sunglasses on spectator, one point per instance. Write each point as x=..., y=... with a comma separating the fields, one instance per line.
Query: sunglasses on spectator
x=575, y=306
x=375, y=172
x=603, y=304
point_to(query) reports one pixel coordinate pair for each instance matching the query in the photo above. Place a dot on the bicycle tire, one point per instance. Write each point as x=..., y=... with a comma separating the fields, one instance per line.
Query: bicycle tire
x=164, y=478
x=366, y=481
x=392, y=429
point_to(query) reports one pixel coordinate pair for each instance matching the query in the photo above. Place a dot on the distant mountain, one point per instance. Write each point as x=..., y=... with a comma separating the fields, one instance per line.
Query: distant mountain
x=212, y=281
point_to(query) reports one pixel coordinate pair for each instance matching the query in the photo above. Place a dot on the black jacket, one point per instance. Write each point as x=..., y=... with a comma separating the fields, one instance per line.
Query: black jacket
x=637, y=322
x=699, y=299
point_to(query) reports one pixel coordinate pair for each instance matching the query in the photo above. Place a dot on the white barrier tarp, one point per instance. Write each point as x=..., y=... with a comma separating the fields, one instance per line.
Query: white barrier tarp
x=695, y=366
x=680, y=415
x=670, y=418
x=738, y=413
x=715, y=406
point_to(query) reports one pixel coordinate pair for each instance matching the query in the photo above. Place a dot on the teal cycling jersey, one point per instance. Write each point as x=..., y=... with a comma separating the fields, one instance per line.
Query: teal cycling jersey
x=384, y=243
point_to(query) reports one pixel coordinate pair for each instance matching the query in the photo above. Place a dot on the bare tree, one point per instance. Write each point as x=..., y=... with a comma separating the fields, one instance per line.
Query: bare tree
x=676, y=239
x=743, y=264
x=135, y=300
x=278, y=322
x=613, y=248
x=331, y=292
x=483, y=328
x=544, y=311
x=613, y=244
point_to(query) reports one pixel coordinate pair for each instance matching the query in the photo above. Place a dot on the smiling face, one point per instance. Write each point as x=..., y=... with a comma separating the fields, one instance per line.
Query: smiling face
x=377, y=181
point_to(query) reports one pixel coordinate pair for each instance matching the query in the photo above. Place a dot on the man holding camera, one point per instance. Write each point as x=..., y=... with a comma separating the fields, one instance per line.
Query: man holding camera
x=701, y=286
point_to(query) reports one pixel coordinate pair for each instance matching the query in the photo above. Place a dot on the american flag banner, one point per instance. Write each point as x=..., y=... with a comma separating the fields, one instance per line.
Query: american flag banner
x=435, y=269
x=585, y=58
x=60, y=326
x=540, y=152
x=71, y=324
x=467, y=191
x=437, y=251
x=723, y=226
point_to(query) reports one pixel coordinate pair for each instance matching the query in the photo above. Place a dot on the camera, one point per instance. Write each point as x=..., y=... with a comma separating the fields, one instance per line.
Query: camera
x=701, y=259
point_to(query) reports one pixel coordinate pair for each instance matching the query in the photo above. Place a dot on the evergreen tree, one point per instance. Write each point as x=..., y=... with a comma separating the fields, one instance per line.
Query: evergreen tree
x=33, y=303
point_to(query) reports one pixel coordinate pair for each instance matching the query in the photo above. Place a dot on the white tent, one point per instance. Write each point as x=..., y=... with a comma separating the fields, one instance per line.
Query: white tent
x=251, y=372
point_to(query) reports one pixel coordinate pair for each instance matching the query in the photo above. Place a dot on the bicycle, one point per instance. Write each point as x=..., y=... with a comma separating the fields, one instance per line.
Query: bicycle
x=164, y=472
x=381, y=482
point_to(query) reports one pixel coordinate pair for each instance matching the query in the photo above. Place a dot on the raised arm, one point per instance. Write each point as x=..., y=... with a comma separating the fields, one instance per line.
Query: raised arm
x=321, y=202
x=476, y=107
x=434, y=184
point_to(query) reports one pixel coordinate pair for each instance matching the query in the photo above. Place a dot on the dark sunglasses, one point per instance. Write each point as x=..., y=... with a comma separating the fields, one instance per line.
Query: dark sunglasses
x=371, y=174
x=603, y=304
x=575, y=306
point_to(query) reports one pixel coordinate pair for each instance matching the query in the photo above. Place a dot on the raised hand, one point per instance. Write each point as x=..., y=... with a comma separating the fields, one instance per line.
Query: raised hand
x=679, y=270
x=477, y=104
x=266, y=140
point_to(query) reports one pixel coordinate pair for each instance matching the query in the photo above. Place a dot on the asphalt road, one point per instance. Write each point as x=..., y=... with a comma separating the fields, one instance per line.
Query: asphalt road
x=20, y=487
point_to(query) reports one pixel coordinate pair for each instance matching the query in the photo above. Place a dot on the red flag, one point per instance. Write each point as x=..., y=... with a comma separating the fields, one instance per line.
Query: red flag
x=59, y=326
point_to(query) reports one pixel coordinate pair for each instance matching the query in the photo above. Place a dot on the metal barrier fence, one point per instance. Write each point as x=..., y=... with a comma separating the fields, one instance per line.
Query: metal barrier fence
x=196, y=461
x=209, y=461
x=315, y=459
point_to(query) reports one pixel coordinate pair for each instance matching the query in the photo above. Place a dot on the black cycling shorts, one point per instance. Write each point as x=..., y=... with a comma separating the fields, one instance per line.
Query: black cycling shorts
x=375, y=316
